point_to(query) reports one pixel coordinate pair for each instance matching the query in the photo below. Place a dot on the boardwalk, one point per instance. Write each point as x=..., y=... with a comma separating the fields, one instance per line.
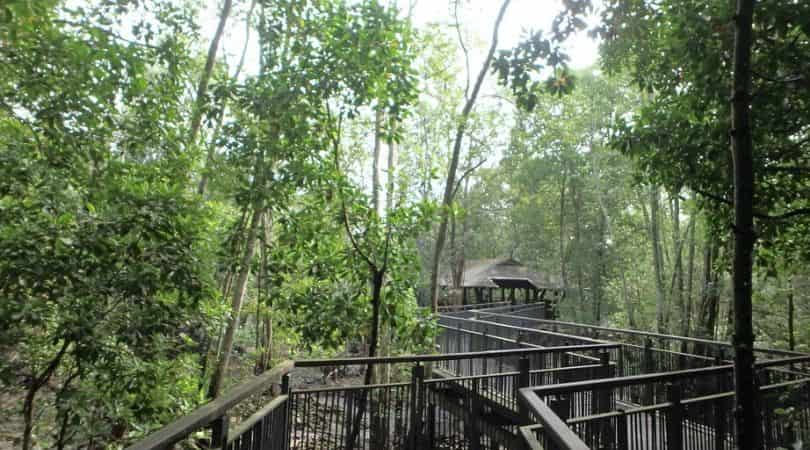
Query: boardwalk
x=506, y=377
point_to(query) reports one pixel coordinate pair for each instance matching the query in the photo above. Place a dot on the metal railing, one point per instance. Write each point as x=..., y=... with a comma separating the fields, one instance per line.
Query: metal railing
x=671, y=342
x=603, y=414
x=499, y=370
x=215, y=415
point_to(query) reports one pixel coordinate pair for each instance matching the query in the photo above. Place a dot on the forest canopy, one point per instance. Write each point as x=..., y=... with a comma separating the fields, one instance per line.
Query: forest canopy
x=194, y=190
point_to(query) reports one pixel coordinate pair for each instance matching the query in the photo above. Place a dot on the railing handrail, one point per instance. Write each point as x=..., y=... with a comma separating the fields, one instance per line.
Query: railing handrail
x=450, y=356
x=688, y=401
x=515, y=308
x=645, y=333
x=552, y=424
x=350, y=387
x=254, y=418
x=207, y=413
x=515, y=373
x=616, y=382
x=558, y=429
x=529, y=330
x=489, y=336
x=471, y=307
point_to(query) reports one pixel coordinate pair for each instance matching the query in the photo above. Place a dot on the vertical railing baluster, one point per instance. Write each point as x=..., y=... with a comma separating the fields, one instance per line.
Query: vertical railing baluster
x=674, y=417
x=417, y=376
x=524, y=368
x=219, y=432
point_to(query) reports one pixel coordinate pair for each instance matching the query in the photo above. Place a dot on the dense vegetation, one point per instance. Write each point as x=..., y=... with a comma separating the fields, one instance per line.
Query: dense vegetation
x=174, y=218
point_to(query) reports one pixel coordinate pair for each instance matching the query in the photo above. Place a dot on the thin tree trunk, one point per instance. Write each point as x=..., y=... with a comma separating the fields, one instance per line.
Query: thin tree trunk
x=202, y=86
x=677, y=267
x=598, y=269
x=709, y=298
x=392, y=180
x=628, y=304
x=577, y=200
x=375, y=163
x=791, y=316
x=31, y=393
x=236, y=305
x=209, y=159
x=449, y=187
x=563, y=277
x=747, y=412
x=686, y=322
x=655, y=240
x=377, y=278
x=268, y=319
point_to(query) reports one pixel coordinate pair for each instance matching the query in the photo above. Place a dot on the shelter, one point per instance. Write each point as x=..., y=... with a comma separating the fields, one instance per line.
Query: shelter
x=503, y=280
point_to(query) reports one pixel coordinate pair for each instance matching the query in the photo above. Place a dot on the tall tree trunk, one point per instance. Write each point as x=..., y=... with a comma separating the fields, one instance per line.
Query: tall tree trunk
x=563, y=186
x=655, y=240
x=31, y=392
x=577, y=200
x=236, y=305
x=710, y=296
x=747, y=412
x=449, y=187
x=598, y=270
x=392, y=172
x=264, y=323
x=202, y=86
x=791, y=316
x=676, y=288
x=212, y=147
x=377, y=279
x=375, y=163
x=686, y=322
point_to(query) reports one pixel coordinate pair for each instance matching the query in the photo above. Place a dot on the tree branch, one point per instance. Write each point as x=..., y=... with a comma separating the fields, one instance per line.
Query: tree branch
x=457, y=26
x=465, y=174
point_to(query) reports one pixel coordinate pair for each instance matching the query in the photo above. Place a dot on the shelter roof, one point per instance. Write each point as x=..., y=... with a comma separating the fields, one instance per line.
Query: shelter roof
x=501, y=272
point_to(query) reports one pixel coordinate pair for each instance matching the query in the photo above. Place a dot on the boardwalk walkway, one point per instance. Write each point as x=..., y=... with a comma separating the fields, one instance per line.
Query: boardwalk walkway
x=506, y=377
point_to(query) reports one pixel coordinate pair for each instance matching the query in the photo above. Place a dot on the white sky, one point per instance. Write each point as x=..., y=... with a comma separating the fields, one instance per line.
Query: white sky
x=477, y=18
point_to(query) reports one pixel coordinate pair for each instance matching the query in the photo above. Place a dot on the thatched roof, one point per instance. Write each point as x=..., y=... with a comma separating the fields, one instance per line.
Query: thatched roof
x=500, y=271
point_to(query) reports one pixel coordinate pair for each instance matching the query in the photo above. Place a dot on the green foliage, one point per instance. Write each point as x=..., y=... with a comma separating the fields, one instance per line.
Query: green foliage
x=519, y=68
x=680, y=52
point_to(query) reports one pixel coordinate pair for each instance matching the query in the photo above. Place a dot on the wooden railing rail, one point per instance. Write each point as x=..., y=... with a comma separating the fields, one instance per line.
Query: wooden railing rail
x=640, y=333
x=700, y=421
x=450, y=356
x=554, y=427
x=211, y=412
x=476, y=306
x=663, y=377
x=528, y=330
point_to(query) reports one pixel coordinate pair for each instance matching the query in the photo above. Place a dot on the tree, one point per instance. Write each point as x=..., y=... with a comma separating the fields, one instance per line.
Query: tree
x=104, y=266
x=745, y=387
x=450, y=186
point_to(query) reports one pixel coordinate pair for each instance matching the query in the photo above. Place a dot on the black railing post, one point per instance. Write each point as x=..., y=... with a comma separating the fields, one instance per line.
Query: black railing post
x=622, y=441
x=286, y=414
x=601, y=397
x=349, y=413
x=674, y=417
x=561, y=406
x=648, y=364
x=524, y=367
x=219, y=432
x=720, y=414
x=473, y=430
x=485, y=361
x=417, y=394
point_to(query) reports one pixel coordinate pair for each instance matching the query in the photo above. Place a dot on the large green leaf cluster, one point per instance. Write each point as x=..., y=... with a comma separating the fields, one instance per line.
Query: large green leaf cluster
x=104, y=261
